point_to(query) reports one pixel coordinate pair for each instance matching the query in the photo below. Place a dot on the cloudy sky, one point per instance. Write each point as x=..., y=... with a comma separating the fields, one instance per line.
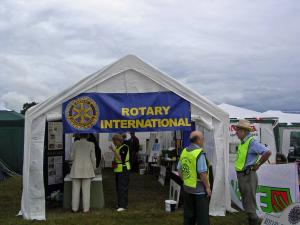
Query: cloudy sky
x=245, y=53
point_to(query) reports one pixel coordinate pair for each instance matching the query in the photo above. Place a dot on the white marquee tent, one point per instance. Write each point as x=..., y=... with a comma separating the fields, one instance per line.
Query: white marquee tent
x=127, y=75
x=239, y=112
x=288, y=118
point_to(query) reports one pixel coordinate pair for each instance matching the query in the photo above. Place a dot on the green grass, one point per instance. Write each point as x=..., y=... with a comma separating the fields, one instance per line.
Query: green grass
x=146, y=206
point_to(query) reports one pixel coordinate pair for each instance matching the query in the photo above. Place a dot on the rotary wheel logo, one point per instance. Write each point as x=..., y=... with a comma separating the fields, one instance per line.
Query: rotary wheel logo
x=294, y=215
x=82, y=113
x=185, y=168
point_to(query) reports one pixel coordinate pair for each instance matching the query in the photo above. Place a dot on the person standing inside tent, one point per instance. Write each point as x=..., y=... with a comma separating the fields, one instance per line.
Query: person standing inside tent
x=246, y=165
x=134, y=146
x=121, y=169
x=92, y=138
x=193, y=169
x=84, y=162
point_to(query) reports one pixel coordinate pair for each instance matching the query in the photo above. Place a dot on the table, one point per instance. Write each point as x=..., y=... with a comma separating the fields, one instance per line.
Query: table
x=97, y=196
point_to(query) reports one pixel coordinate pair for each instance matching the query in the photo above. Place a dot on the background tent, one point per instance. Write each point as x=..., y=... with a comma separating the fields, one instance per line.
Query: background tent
x=11, y=140
x=128, y=75
x=239, y=112
x=288, y=118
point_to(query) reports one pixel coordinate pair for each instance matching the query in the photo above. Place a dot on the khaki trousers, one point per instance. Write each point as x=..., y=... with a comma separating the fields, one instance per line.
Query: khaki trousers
x=248, y=185
x=85, y=186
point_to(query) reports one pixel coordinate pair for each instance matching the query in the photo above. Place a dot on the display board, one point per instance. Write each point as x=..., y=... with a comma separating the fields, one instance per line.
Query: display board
x=277, y=187
x=123, y=112
x=54, y=157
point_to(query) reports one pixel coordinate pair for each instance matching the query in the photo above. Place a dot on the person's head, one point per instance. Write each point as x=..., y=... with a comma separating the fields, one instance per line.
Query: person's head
x=124, y=136
x=196, y=137
x=83, y=136
x=156, y=140
x=117, y=140
x=243, y=128
x=76, y=137
x=132, y=134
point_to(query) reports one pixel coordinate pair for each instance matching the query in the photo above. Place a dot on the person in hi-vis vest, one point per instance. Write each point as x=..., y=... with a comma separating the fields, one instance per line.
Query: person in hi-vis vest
x=121, y=167
x=193, y=168
x=246, y=164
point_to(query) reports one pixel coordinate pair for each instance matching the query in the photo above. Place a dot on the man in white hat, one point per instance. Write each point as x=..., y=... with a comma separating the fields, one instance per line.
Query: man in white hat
x=246, y=165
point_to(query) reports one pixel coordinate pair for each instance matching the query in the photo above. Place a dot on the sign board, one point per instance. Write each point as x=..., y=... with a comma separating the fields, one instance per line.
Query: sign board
x=290, y=216
x=277, y=187
x=123, y=112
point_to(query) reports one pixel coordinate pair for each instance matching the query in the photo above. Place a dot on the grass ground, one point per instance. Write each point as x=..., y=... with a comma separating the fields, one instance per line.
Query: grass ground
x=146, y=206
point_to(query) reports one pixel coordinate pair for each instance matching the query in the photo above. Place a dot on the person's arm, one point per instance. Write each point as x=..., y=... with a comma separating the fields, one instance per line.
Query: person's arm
x=115, y=153
x=71, y=156
x=92, y=155
x=205, y=181
x=123, y=154
x=262, y=150
x=179, y=169
x=202, y=170
x=265, y=156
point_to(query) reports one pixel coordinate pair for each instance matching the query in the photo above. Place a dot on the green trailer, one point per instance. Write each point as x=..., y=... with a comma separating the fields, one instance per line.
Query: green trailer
x=12, y=140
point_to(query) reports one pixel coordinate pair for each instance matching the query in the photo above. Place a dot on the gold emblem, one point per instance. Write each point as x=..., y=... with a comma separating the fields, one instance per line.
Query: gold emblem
x=82, y=113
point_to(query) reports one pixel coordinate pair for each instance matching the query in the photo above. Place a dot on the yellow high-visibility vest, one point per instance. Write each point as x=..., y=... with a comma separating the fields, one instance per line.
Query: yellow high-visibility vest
x=242, y=153
x=188, y=161
x=119, y=167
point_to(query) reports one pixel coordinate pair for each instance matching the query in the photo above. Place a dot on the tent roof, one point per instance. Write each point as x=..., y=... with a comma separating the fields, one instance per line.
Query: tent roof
x=288, y=118
x=10, y=116
x=129, y=62
x=239, y=112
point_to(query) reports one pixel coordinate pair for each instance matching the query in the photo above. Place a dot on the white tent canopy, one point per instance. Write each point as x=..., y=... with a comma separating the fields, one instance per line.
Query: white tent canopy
x=288, y=118
x=239, y=112
x=127, y=75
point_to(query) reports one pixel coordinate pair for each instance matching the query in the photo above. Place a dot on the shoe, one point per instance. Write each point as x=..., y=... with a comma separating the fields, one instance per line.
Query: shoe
x=120, y=209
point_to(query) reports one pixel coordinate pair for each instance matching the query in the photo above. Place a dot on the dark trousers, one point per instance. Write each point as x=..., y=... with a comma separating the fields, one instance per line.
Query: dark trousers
x=196, y=209
x=122, y=182
x=134, y=162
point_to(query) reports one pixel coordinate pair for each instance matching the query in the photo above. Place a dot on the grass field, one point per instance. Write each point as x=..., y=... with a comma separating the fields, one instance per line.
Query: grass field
x=146, y=206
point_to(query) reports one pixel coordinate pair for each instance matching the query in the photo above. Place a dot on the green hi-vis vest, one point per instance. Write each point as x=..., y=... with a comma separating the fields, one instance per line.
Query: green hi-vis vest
x=242, y=153
x=188, y=161
x=119, y=167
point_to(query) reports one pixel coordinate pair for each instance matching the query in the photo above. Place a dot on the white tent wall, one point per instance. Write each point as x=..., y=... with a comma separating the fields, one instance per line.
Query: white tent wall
x=268, y=138
x=128, y=75
x=286, y=139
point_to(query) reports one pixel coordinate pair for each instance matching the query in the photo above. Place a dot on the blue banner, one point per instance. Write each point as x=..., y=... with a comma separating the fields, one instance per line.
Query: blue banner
x=122, y=112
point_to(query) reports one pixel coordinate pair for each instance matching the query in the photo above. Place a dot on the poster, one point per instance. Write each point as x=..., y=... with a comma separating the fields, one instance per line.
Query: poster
x=55, y=136
x=55, y=170
x=277, y=187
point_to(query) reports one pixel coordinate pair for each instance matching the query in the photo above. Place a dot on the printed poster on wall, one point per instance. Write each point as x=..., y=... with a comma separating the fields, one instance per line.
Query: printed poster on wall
x=55, y=136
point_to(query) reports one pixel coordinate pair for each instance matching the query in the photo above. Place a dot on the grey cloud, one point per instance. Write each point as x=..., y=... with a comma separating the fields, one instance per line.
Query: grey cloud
x=240, y=52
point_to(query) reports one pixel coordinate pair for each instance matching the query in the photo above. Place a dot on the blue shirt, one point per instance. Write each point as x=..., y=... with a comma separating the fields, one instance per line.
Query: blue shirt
x=201, y=167
x=255, y=149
